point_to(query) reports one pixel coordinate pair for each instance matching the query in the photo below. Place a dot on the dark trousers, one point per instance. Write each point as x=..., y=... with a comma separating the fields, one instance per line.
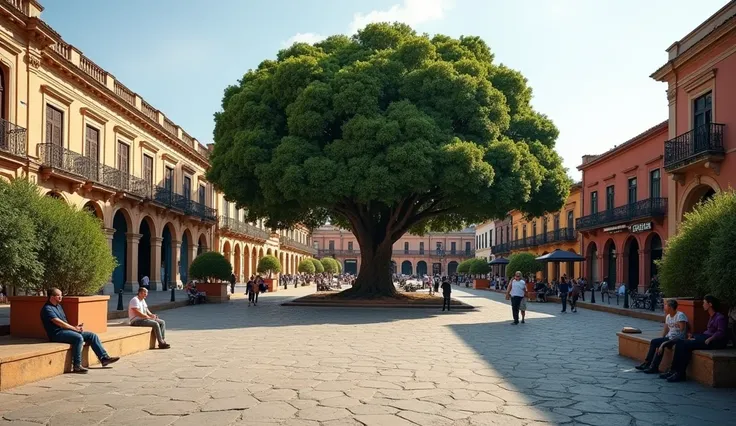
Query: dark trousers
x=563, y=298
x=77, y=340
x=232, y=288
x=251, y=297
x=652, y=358
x=446, y=301
x=515, y=302
x=573, y=302
x=684, y=351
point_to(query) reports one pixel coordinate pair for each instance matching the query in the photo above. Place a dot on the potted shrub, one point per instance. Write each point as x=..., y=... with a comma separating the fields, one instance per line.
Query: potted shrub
x=528, y=264
x=480, y=268
x=464, y=266
x=699, y=259
x=269, y=265
x=212, y=272
x=306, y=266
x=330, y=266
x=318, y=268
x=70, y=252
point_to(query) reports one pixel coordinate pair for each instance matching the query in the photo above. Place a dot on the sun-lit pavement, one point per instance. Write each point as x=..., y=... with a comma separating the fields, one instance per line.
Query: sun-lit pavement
x=264, y=365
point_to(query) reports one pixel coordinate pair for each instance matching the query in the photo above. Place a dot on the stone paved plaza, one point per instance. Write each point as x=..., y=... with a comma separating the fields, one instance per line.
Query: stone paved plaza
x=269, y=365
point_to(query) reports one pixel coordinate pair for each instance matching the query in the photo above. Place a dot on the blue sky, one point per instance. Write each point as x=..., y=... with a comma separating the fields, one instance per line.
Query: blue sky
x=588, y=61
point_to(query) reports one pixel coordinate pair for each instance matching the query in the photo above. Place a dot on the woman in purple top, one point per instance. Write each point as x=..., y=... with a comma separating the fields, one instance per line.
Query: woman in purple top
x=714, y=337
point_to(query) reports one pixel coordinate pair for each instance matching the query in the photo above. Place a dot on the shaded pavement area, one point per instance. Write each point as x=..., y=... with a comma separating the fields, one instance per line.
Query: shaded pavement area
x=276, y=365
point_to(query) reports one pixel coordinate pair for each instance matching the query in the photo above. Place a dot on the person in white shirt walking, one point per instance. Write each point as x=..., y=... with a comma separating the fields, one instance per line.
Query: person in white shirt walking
x=516, y=291
x=140, y=316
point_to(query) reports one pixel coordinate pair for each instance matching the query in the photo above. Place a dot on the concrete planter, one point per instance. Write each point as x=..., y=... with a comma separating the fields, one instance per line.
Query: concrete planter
x=271, y=284
x=696, y=316
x=481, y=283
x=25, y=314
x=216, y=292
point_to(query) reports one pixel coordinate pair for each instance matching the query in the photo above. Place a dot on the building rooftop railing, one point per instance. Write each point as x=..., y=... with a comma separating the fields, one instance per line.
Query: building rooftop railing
x=233, y=225
x=297, y=245
x=650, y=207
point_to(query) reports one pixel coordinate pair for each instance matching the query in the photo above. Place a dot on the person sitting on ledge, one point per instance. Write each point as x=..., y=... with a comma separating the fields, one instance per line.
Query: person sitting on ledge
x=140, y=316
x=60, y=331
x=714, y=337
x=675, y=328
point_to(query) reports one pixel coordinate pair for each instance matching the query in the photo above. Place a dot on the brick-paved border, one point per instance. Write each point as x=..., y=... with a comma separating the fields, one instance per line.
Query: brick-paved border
x=456, y=304
x=160, y=307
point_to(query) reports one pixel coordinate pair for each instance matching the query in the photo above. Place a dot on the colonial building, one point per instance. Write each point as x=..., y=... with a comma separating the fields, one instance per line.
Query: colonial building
x=434, y=253
x=484, y=234
x=83, y=136
x=542, y=235
x=624, y=222
x=699, y=155
x=501, y=244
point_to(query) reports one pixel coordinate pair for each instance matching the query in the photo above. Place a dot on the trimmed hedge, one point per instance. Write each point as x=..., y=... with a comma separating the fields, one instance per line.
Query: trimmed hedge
x=306, y=266
x=211, y=266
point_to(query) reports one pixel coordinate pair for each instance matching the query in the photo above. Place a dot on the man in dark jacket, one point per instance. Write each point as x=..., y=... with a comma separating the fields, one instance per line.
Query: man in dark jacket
x=59, y=330
x=446, y=291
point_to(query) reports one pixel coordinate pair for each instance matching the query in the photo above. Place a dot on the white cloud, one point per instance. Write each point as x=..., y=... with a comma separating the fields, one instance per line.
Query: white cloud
x=410, y=12
x=310, y=38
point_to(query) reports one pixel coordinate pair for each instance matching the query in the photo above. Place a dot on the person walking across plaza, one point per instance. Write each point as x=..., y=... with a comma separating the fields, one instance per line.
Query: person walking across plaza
x=675, y=328
x=59, y=330
x=250, y=289
x=446, y=292
x=516, y=291
x=714, y=337
x=140, y=316
x=232, y=283
x=575, y=295
x=563, y=287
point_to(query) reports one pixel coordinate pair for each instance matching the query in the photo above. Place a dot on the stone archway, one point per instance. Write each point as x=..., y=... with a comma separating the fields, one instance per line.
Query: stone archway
x=631, y=263
x=121, y=224
x=696, y=192
x=95, y=210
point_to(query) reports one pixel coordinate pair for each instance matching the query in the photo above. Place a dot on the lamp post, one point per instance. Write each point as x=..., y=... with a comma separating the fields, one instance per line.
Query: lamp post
x=120, y=300
x=592, y=288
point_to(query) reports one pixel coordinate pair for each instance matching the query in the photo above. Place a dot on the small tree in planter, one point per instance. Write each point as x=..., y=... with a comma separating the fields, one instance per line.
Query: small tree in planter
x=306, y=266
x=269, y=265
x=339, y=266
x=71, y=253
x=480, y=267
x=527, y=263
x=329, y=264
x=211, y=267
x=318, y=268
x=464, y=266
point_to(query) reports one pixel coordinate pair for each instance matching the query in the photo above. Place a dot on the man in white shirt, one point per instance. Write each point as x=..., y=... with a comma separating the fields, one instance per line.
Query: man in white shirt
x=516, y=290
x=675, y=328
x=140, y=316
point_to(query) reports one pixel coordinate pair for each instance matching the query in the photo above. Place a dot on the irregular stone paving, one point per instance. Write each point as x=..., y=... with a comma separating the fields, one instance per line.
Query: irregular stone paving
x=274, y=365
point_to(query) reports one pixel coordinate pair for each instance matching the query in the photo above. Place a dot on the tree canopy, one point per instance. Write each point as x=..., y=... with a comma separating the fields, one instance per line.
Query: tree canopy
x=306, y=266
x=269, y=264
x=210, y=266
x=524, y=262
x=383, y=133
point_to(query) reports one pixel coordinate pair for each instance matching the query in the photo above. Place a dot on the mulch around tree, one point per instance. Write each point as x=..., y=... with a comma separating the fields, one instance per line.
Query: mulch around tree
x=401, y=300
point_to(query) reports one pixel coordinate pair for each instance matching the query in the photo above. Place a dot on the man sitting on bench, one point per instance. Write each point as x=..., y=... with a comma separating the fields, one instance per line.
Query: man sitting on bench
x=59, y=330
x=675, y=328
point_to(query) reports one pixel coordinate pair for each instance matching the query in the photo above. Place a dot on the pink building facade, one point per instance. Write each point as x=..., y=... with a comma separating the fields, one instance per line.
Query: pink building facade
x=434, y=253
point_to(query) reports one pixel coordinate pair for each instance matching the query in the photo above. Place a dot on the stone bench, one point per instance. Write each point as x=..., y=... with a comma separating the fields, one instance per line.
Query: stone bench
x=714, y=368
x=28, y=360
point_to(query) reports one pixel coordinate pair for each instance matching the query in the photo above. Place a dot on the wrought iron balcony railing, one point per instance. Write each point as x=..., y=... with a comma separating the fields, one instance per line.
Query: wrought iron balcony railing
x=294, y=244
x=555, y=236
x=436, y=253
x=651, y=207
x=501, y=248
x=13, y=139
x=333, y=252
x=690, y=147
x=242, y=228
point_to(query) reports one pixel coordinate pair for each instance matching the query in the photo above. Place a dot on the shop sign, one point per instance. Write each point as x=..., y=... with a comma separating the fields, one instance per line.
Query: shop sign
x=641, y=227
x=615, y=229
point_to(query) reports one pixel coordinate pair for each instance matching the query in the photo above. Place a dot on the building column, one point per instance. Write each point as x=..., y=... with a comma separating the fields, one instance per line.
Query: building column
x=193, y=254
x=643, y=270
x=175, y=278
x=601, y=272
x=109, y=287
x=156, y=280
x=131, y=275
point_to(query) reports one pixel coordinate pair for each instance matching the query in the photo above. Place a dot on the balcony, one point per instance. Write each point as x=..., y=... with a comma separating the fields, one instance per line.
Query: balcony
x=435, y=253
x=232, y=225
x=13, y=139
x=333, y=252
x=501, y=248
x=293, y=244
x=649, y=208
x=700, y=145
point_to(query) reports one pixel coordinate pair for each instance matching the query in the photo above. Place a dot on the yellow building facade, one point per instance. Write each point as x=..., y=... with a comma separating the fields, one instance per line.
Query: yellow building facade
x=542, y=235
x=71, y=127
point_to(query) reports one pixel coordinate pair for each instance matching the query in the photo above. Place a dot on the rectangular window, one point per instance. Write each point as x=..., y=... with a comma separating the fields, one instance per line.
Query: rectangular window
x=169, y=178
x=610, y=194
x=350, y=246
x=54, y=126
x=632, y=190
x=421, y=247
x=123, y=157
x=226, y=208
x=453, y=247
x=467, y=247
x=703, y=110
x=202, y=192
x=439, y=247
x=594, y=202
x=332, y=245
x=406, y=247
x=187, y=187
x=92, y=144
x=148, y=169
x=655, y=184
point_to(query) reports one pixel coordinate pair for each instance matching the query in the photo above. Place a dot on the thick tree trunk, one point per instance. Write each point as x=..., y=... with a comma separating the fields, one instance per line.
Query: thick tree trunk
x=374, y=278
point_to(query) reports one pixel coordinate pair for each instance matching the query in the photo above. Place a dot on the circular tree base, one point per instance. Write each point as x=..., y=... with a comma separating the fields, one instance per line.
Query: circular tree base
x=400, y=300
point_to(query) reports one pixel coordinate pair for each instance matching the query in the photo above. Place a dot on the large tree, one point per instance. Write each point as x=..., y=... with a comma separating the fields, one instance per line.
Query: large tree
x=384, y=133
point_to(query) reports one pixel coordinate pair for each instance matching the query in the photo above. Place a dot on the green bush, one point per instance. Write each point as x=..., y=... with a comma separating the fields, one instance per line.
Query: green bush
x=701, y=257
x=318, y=268
x=19, y=245
x=210, y=266
x=306, y=266
x=479, y=266
x=329, y=264
x=464, y=266
x=71, y=252
x=339, y=266
x=527, y=263
x=269, y=265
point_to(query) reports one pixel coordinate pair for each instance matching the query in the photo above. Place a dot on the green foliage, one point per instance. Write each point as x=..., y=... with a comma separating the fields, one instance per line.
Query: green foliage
x=19, y=245
x=701, y=257
x=330, y=265
x=70, y=252
x=318, y=268
x=210, y=266
x=464, y=266
x=269, y=264
x=388, y=121
x=527, y=263
x=479, y=266
x=339, y=266
x=306, y=266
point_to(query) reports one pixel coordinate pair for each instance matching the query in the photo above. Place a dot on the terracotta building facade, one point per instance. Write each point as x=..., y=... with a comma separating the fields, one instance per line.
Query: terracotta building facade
x=624, y=223
x=700, y=74
x=82, y=136
x=434, y=253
